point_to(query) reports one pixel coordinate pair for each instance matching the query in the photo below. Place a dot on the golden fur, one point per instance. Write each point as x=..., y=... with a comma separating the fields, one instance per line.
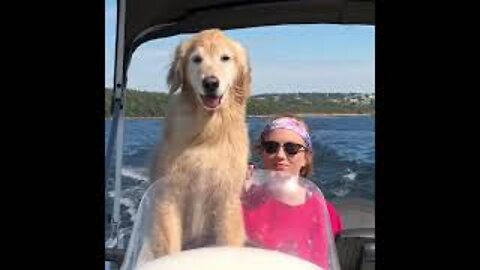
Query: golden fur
x=202, y=162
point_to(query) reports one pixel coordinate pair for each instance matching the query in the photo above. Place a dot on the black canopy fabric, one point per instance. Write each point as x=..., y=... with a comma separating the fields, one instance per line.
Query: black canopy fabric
x=150, y=19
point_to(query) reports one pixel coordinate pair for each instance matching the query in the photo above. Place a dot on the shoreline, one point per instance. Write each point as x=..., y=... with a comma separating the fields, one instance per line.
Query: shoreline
x=258, y=116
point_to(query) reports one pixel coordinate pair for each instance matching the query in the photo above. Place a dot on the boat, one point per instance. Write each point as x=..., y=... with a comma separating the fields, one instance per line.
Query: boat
x=140, y=21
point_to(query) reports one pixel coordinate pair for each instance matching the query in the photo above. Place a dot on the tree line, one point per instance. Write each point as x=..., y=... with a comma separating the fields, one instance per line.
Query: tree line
x=152, y=104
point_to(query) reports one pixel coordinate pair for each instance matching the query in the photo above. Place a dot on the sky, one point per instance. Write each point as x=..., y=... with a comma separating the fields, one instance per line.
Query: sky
x=286, y=58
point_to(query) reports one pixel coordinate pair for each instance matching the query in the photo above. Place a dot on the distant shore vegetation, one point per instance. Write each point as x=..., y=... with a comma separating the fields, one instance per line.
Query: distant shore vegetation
x=144, y=104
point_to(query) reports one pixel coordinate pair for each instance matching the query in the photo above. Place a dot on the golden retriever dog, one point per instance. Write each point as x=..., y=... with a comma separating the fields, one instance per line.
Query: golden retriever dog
x=202, y=162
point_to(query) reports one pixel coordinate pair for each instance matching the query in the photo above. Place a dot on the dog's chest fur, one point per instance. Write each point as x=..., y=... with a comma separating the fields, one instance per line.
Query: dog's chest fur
x=205, y=163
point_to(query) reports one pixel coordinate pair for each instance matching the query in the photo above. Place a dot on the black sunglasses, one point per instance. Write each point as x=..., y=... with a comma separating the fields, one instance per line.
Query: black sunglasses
x=272, y=147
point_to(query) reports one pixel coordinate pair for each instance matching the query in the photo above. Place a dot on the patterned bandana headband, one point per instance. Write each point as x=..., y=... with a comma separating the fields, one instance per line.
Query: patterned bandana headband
x=290, y=124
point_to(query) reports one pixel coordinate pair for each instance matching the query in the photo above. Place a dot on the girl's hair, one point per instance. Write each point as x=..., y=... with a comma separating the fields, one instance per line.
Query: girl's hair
x=306, y=170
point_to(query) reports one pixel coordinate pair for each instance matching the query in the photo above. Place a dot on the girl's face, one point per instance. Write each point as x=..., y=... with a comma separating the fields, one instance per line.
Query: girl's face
x=281, y=160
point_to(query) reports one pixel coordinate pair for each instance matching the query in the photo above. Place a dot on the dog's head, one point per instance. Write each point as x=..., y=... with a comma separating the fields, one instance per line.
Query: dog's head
x=212, y=66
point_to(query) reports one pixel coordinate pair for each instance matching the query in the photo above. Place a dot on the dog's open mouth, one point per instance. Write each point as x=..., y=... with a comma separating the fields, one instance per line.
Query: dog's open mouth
x=211, y=102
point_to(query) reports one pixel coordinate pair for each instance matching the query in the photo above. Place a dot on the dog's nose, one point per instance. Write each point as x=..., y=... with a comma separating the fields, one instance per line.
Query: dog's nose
x=210, y=84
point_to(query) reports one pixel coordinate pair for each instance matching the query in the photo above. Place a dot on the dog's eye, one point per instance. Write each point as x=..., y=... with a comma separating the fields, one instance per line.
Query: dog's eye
x=197, y=59
x=225, y=58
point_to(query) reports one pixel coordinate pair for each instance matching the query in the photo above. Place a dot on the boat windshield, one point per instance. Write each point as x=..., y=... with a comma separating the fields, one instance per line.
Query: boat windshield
x=286, y=221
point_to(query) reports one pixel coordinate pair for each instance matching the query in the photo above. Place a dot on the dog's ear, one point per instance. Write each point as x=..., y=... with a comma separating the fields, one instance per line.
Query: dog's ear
x=175, y=73
x=243, y=79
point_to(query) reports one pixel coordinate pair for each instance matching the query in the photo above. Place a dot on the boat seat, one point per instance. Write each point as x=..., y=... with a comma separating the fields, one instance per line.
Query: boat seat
x=356, y=249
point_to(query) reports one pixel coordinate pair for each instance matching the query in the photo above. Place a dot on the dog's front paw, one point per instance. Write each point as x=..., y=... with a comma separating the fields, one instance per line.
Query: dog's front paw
x=230, y=227
x=166, y=229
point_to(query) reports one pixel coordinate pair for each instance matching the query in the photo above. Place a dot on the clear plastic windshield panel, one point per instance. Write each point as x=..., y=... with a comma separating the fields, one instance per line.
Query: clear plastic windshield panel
x=286, y=221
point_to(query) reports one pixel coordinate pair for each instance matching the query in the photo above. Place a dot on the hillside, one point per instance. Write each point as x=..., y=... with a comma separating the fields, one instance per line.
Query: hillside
x=152, y=104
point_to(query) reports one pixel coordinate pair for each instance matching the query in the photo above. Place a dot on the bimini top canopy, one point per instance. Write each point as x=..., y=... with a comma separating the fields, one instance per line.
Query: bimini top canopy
x=150, y=19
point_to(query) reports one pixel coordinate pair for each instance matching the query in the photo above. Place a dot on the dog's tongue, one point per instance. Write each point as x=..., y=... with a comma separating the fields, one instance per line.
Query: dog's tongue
x=211, y=101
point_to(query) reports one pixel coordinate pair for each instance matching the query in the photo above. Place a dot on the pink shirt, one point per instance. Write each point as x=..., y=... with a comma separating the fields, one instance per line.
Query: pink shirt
x=296, y=230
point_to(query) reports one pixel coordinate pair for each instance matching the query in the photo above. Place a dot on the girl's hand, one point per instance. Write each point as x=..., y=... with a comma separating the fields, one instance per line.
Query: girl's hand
x=248, y=180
